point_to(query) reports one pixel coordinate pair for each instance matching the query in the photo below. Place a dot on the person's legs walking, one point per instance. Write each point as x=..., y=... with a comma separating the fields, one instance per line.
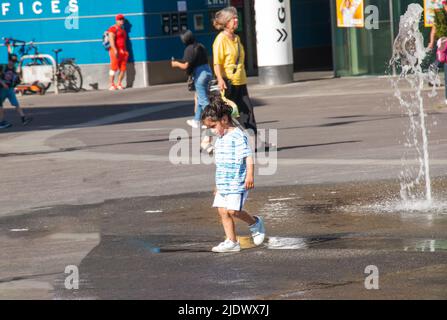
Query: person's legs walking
x=445, y=81
x=251, y=122
x=113, y=69
x=256, y=225
x=239, y=95
x=123, y=57
x=228, y=224
x=230, y=244
x=12, y=97
x=3, y=123
x=243, y=216
x=202, y=79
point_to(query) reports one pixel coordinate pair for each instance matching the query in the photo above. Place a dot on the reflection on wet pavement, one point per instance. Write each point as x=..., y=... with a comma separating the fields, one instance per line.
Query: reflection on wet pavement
x=126, y=250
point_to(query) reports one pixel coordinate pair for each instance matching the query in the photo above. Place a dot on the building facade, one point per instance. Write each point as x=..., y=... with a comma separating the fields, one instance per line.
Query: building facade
x=77, y=26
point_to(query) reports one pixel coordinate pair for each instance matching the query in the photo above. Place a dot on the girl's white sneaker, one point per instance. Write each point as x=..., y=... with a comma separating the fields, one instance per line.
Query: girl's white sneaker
x=227, y=246
x=258, y=231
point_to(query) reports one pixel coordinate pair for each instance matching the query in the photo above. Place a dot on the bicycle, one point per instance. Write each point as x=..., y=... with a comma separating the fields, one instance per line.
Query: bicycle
x=68, y=74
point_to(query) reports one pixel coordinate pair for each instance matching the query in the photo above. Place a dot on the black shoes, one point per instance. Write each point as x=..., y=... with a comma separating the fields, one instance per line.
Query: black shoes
x=26, y=120
x=5, y=125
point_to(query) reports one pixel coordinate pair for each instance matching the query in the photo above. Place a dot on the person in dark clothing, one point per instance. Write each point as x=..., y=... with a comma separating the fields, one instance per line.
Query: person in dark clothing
x=195, y=63
x=9, y=79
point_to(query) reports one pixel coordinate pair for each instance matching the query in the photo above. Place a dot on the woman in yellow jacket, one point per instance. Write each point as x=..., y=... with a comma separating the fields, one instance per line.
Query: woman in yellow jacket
x=229, y=65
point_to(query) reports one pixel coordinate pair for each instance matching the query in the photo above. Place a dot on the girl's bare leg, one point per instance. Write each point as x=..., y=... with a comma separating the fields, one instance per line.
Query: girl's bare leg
x=228, y=224
x=244, y=216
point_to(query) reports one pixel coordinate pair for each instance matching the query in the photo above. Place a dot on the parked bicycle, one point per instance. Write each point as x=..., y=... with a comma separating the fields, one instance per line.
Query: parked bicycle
x=68, y=73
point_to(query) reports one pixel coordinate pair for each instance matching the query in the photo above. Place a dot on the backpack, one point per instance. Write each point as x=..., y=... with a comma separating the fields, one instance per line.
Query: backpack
x=441, y=52
x=106, y=40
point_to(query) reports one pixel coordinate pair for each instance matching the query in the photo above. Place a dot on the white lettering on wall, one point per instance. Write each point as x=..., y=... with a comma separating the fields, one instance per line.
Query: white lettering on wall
x=5, y=8
x=38, y=7
x=74, y=7
x=35, y=9
x=55, y=6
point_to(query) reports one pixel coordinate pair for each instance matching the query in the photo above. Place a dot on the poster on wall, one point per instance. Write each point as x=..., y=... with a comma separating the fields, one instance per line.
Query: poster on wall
x=350, y=13
x=429, y=11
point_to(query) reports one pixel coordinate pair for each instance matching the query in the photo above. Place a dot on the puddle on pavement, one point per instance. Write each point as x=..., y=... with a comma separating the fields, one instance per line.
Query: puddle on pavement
x=328, y=242
x=389, y=244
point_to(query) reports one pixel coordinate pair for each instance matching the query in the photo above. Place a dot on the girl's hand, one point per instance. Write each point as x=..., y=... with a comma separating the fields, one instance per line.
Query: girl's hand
x=249, y=183
x=173, y=63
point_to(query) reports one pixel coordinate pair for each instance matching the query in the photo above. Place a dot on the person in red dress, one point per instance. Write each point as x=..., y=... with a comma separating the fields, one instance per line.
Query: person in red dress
x=118, y=52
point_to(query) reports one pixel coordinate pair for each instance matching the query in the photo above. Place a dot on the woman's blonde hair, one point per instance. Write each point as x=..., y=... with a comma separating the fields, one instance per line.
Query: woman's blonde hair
x=223, y=16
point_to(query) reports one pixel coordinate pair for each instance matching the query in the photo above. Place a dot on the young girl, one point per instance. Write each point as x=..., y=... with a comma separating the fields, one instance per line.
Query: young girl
x=234, y=175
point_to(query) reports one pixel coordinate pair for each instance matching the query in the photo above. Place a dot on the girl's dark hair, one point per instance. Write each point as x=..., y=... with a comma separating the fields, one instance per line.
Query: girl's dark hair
x=217, y=110
x=187, y=37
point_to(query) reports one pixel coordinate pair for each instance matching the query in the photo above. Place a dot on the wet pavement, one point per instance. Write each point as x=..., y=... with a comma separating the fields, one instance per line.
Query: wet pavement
x=159, y=248
x=89, y=184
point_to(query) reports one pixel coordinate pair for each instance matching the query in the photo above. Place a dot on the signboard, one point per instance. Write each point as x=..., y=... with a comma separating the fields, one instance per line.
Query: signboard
x=182, y=6
x=429, y=11
x=217, y=3
x=274, y=33
x=166, y=23
x=183, y=22
x=350, y=13
x=174, y=23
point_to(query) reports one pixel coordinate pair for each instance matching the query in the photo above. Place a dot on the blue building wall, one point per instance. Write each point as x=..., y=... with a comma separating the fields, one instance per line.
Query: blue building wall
x=163, y=47
x=148, y=42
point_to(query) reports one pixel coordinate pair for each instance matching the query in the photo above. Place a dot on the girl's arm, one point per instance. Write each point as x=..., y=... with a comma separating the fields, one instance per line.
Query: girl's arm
x=250, y=179
x=183, y=66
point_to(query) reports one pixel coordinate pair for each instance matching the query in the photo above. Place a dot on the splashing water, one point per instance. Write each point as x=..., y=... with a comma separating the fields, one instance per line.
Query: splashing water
x=408, y=55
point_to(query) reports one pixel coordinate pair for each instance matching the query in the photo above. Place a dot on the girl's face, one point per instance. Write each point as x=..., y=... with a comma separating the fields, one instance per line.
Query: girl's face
x=347, y=3
x=233, y=24
x=217, y=127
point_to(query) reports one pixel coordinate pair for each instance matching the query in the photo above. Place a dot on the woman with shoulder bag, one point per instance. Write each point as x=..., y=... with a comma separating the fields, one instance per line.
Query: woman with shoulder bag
x=196, y=66
x=229, y=66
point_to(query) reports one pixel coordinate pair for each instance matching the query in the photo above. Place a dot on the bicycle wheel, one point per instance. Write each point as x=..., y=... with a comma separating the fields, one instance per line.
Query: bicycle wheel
x=70, y=77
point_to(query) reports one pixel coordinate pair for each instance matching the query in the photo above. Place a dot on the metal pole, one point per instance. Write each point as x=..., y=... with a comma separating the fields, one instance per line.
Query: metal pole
x=333, y=26
x=249, y=37
x=392, y=31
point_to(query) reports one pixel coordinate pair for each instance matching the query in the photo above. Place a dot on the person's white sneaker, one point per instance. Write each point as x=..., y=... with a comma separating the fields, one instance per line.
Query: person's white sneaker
x=193, y=123
x=227, y=246
x=258, y=231
x=112, y=88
